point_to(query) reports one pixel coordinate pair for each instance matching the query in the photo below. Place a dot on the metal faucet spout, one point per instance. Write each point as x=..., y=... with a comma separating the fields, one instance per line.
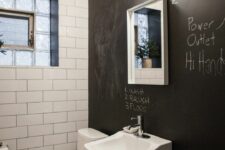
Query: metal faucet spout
x=139, y=123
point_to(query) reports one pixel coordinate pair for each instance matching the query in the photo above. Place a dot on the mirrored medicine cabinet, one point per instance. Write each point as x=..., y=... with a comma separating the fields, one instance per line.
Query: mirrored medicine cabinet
x=148, y=43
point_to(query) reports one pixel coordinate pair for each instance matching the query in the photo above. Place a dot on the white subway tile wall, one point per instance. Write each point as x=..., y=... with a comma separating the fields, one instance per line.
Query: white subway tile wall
x=42, y=108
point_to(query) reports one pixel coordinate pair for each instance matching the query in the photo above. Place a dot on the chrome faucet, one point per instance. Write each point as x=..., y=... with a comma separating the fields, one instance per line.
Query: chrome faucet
x=139, y=124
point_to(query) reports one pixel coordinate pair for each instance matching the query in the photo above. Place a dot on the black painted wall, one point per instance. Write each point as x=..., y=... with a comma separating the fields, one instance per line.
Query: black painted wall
x=190, y=111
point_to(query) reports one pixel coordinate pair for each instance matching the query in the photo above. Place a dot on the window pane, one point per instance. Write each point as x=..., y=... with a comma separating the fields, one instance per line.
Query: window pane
x=43, y=42
x=7, y=3
x=43, y=24
x=25, y=5
x=14, y=31
x=42, y=59
x=43, y=6
x=6, y=58
x=23, y=58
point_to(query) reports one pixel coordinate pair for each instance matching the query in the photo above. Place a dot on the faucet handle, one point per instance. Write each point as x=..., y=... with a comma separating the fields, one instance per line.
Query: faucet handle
x=138, y=118
x=133, y=118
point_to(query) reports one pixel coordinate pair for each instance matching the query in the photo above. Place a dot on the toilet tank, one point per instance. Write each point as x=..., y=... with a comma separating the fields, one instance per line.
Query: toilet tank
x=87, y=135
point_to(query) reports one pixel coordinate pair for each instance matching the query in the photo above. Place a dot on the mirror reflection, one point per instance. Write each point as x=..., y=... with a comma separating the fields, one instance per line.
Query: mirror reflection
x=147, y=43
x=147, y=30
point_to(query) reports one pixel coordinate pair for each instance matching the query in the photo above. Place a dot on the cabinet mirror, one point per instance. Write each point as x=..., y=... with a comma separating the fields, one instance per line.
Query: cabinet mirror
x=147, y=43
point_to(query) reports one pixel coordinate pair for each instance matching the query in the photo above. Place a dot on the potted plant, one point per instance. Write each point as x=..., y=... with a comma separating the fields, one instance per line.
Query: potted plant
x=148, y=52
x=142, y=54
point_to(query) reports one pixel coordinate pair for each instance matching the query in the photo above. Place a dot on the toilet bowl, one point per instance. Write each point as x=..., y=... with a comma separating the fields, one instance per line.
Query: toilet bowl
x=88, y=135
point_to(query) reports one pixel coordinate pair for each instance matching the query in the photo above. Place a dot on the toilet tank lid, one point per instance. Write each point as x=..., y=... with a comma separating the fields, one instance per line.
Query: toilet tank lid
x=92, y=133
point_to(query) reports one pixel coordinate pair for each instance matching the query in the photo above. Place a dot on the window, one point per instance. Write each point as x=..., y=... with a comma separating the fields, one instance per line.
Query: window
x=17, y=29
x=29, y=30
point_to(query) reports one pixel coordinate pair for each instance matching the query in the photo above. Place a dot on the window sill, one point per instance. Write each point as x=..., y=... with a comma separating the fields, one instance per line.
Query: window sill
x=17, y=48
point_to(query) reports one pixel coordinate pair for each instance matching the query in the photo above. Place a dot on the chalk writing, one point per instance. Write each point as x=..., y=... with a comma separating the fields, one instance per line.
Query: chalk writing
x=221, y=25
x=205, y=65
x=135, y=100
x=201, y=39
x=134, y=91
x=202, y=34
x=202, y=26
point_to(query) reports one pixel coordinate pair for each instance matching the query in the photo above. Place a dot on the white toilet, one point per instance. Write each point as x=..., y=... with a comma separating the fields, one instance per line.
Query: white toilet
x=87, y=135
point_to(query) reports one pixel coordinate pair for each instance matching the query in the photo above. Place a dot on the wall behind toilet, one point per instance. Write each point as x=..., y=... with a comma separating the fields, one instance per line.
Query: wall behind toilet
x=190, y=111
x=41, y=108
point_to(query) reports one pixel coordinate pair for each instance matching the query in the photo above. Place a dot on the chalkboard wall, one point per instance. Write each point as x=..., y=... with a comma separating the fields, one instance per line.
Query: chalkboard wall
x=190, y=111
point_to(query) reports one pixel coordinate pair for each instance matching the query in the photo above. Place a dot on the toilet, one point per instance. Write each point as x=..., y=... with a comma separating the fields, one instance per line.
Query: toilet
x=87, y=135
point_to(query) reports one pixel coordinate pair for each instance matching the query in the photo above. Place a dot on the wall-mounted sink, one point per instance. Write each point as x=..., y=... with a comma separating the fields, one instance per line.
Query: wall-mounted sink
x=125, y=141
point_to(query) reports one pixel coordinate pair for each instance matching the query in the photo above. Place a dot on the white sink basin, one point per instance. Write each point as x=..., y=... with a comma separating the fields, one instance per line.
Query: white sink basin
x=125, y=141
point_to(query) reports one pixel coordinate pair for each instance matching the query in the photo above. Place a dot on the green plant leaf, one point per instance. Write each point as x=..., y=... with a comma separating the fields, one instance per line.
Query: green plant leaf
x=148, y=49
